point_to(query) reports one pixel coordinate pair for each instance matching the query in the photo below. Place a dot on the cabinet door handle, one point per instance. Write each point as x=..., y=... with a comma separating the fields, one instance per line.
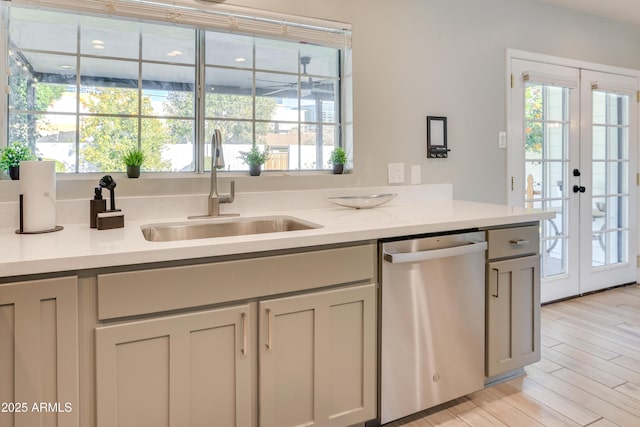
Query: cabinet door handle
x=243, y=350
x=269, y=328
x=519, y=242
x=497, y=288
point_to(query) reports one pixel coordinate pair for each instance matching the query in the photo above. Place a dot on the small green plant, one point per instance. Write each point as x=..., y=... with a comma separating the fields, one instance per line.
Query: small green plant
x=133, y=157
x=338, y=156
x=255, y=156
x=12, y=155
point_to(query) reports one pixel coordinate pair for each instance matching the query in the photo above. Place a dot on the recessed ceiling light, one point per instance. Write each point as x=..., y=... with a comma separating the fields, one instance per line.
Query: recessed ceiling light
x=240, y=59
x=97, y=42
x=98, y=46
x=66, y=67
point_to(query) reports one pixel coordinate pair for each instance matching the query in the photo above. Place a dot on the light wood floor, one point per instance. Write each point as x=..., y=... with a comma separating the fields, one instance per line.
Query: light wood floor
x=589, y=374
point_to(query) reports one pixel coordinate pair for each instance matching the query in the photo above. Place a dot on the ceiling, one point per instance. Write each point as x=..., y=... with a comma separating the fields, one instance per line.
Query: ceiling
x=620, y=10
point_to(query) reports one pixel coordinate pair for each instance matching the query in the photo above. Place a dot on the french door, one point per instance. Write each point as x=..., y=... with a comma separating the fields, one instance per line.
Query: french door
x=573, y=151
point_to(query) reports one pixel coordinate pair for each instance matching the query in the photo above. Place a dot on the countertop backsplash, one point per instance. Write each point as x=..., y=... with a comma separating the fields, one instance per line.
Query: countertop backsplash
x=154, y=207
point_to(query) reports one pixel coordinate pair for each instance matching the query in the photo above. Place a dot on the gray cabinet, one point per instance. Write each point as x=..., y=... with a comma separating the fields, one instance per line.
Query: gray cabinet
x=210, y=365
x=39, y=353
x=513, y=314
x=318, y=358
x=185, y=370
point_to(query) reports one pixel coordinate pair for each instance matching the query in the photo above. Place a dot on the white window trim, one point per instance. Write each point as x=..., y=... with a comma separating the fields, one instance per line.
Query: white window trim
x=212, y=16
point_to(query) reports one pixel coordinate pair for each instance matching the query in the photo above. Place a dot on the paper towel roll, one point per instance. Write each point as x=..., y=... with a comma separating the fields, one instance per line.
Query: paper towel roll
x=38, y=185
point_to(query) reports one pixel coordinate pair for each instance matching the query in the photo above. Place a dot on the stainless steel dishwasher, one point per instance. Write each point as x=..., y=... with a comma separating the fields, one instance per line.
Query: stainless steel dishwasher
x=432, y=321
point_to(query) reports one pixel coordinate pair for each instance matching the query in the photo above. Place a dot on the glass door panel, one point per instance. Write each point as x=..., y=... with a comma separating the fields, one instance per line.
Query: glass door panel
x=609, y=154
x=546, y=127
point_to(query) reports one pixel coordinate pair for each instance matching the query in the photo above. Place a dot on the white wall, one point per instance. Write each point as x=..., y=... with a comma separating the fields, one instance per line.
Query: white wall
x=414, y=58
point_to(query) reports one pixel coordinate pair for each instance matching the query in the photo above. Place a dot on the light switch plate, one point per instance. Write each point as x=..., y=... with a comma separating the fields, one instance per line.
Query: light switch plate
x=502, y=140
x=416, y=174
x=395, y=173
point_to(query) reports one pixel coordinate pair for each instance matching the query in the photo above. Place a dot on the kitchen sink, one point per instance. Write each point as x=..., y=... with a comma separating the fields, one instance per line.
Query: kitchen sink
x=190, y=230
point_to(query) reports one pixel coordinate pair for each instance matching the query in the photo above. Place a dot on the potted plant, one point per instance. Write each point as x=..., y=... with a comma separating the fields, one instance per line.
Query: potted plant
x=255, y=158
x=12, y=155
x=337, y=159
x=133, y=159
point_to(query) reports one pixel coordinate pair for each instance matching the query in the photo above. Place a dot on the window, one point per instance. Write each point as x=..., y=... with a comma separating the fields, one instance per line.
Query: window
x=85, y=89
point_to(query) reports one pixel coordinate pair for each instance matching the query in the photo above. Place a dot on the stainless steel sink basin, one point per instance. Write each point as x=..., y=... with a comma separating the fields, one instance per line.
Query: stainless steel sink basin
x=169, y=232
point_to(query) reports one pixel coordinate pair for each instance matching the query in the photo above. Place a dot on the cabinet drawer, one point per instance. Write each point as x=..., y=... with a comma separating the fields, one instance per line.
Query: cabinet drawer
x=514, y=241
x=132, y=293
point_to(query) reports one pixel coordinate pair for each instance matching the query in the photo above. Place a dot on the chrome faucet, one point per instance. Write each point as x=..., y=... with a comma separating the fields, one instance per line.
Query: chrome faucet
x=217, y=162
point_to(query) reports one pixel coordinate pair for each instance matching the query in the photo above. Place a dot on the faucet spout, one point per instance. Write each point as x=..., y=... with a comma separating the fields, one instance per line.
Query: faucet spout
x=215, y=198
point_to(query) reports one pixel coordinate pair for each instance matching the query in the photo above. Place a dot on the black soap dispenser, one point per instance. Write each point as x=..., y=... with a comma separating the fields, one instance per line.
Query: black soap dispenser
x=96, y=206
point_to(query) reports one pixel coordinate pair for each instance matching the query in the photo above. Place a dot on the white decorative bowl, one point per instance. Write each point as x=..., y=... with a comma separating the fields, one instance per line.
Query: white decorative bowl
x=363, y=202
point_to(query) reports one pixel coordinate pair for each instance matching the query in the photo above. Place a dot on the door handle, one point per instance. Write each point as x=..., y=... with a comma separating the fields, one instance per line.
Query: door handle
x=579, y=189
x=244, y=334
x=468, y=248
x=269, y=328
x=495, y=293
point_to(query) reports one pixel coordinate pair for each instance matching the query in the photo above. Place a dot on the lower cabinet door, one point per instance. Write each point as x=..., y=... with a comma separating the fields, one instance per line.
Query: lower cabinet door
x=185, y=370
x=317, y=358
x=513, y=314
x=39, y=353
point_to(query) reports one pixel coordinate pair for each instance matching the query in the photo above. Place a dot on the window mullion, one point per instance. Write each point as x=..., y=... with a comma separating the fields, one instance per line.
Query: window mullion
x=199, y=116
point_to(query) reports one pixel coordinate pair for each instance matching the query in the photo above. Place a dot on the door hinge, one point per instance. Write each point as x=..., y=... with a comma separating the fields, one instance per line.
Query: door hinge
x=638, y=261
x=637, y=179
x=513, y=183
x=512, y=83
x=638, y=96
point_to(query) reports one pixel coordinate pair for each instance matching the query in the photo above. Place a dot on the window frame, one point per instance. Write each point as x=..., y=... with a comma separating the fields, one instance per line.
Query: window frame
x=342, y=100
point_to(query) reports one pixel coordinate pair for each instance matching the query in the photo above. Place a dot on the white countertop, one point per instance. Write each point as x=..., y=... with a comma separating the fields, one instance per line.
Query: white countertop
x=78, y=247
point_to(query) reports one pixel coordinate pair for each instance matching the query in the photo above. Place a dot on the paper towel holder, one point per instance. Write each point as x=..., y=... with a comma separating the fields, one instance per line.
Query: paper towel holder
x=21, y=229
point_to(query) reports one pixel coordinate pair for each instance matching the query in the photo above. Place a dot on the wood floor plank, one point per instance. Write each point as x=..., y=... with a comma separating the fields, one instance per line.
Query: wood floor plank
x=630, y=414
x=581, y=362
x=502, y=410
x=533, y=408
x=445, y=418
x=563, y=337
x=547, y=365
x=630, y=389
x=623, y=369
x=476, y=416
x=555, y=400
x=617, y=297
x=574, y=311
x=614, y=333
x=583, y=398
x=601, y=339
x=590, y=303
x=603, y=422
x=629, y=363
x=635, y=308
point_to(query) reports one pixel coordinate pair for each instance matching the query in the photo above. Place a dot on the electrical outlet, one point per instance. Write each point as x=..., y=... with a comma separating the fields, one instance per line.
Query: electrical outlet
x=416, y=174
x=395, y=173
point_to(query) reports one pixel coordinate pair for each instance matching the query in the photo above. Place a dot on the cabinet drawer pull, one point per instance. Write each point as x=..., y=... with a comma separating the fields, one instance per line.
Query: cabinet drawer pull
x=519, y=242
x=269, y=326
x=243, y=350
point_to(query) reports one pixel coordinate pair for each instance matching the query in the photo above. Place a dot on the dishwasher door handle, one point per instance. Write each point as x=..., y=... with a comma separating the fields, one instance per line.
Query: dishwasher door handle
x=398, y=258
